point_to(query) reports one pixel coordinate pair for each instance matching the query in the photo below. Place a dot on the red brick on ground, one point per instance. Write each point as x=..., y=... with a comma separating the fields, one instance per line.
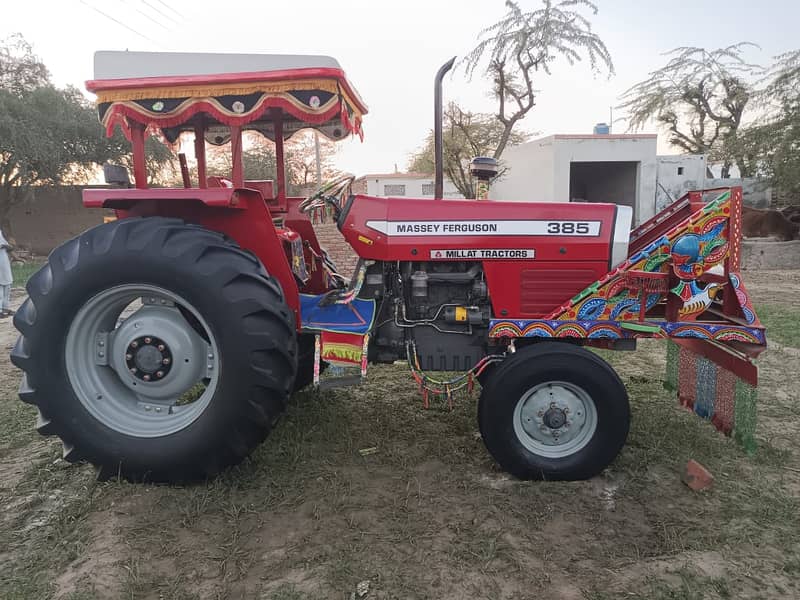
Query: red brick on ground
x=696, y=476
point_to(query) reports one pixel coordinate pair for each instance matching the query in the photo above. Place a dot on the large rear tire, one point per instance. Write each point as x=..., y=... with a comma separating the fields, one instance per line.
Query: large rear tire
x=155, y=350
x=554, y=411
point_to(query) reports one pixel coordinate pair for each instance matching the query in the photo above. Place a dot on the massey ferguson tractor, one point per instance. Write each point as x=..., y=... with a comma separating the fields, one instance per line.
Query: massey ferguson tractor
x=164, y=344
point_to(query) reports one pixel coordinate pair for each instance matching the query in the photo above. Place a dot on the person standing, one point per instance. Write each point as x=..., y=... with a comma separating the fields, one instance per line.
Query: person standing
x=6, y=279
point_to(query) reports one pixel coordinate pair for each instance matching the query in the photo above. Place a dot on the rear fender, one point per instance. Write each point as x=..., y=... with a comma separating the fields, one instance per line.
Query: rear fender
x=241, y=214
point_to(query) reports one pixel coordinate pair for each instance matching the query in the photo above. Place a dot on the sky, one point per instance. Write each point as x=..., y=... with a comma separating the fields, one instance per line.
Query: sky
x=392, y=50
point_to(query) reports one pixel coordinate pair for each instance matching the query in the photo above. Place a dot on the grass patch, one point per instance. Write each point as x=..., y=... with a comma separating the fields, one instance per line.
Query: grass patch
x=23, y=271
x=681, y=584
x=17, y=419
x=428, y=514
x=782, y=323
x=48, y=529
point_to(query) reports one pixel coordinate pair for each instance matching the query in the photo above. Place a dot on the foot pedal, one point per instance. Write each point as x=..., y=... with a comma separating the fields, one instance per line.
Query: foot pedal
x=342, y=350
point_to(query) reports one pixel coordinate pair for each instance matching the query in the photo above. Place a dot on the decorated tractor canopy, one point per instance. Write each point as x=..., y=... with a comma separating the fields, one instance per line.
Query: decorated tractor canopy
x=164, y=344
x=142, y=88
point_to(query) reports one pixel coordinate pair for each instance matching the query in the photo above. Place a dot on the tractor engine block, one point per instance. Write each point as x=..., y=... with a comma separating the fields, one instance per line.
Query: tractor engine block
x=443, y=307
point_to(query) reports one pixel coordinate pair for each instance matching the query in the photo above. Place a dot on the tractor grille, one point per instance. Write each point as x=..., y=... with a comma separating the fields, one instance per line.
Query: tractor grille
x=544, y=290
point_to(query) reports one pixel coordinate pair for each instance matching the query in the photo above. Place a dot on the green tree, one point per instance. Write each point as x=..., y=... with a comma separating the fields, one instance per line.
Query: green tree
x=771, y=146
x=20, y=70
x=465, y=136
x=47, y=135
x=699, y=97
x=160, y=162
x=259, y=161
x=301, y=159
x=514, y=52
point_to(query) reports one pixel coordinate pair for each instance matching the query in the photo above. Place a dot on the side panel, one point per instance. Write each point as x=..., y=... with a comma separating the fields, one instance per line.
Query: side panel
x=535, y=255
x=413, y=229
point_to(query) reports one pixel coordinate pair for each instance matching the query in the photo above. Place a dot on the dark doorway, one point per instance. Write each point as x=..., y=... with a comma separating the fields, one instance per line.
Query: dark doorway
x=613, y=182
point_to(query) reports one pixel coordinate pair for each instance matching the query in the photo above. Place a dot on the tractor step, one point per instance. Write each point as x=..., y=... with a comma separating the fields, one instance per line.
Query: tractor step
x=339, y=382
x=343, y=352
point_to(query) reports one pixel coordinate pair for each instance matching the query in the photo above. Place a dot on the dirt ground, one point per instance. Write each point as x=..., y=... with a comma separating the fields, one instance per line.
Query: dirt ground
x=428, y=514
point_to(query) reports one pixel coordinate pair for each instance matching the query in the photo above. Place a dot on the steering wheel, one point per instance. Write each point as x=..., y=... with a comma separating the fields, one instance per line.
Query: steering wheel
x=331, y=195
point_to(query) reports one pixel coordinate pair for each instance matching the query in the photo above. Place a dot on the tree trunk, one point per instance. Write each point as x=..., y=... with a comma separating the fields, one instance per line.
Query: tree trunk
x=498, y=152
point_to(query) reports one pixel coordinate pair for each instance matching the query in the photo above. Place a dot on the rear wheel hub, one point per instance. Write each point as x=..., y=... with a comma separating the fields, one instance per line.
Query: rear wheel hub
x=148, y=358
x=132, y=380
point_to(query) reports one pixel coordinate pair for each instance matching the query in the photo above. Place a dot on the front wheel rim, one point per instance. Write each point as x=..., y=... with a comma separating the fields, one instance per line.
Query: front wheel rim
x=137, y=364
x=555, y=419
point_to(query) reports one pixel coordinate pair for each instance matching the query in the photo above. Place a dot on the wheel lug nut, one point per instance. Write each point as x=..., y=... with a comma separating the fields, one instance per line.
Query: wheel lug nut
x=159, y=373
x=147, y=340
x=134, y=344
x=160, y=347
x=133, y=370
x=166, y=361
x=128, y=356
x=146, y=377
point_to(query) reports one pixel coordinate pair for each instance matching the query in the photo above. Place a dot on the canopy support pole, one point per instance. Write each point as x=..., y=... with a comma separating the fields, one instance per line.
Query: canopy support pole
x=200, y=154
x=139, y=164
x=237, y=174
x=280, y=167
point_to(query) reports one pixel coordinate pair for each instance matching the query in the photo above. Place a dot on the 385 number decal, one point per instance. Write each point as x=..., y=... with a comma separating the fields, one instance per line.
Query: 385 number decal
x=568, y=228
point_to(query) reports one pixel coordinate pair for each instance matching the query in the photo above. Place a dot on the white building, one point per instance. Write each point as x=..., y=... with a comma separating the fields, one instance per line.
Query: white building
x=677, y=175
x=413, y=185
x=620, y=169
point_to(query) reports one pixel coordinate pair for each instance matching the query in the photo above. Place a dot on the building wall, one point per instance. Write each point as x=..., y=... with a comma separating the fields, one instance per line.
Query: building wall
x=677, y=175
x=414, y=187
x=540, y=170
x=50, y=216
x=611, y=148
x=529, y=173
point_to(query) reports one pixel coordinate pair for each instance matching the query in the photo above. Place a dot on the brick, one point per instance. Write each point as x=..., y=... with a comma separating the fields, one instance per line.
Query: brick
x=339, y=250
x=696, y=476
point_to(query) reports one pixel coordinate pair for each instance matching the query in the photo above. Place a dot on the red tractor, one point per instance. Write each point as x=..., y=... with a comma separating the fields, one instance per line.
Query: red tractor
x=164, y=345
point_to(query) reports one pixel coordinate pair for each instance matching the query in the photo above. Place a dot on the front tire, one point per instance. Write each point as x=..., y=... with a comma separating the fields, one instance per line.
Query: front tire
x=554, y=411
x=155, y=350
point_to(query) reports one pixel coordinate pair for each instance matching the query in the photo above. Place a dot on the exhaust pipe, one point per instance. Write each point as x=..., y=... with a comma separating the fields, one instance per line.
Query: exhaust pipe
x=438, y=181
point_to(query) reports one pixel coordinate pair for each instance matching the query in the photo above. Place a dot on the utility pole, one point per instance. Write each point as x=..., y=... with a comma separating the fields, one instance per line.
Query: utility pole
x=317, y=159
